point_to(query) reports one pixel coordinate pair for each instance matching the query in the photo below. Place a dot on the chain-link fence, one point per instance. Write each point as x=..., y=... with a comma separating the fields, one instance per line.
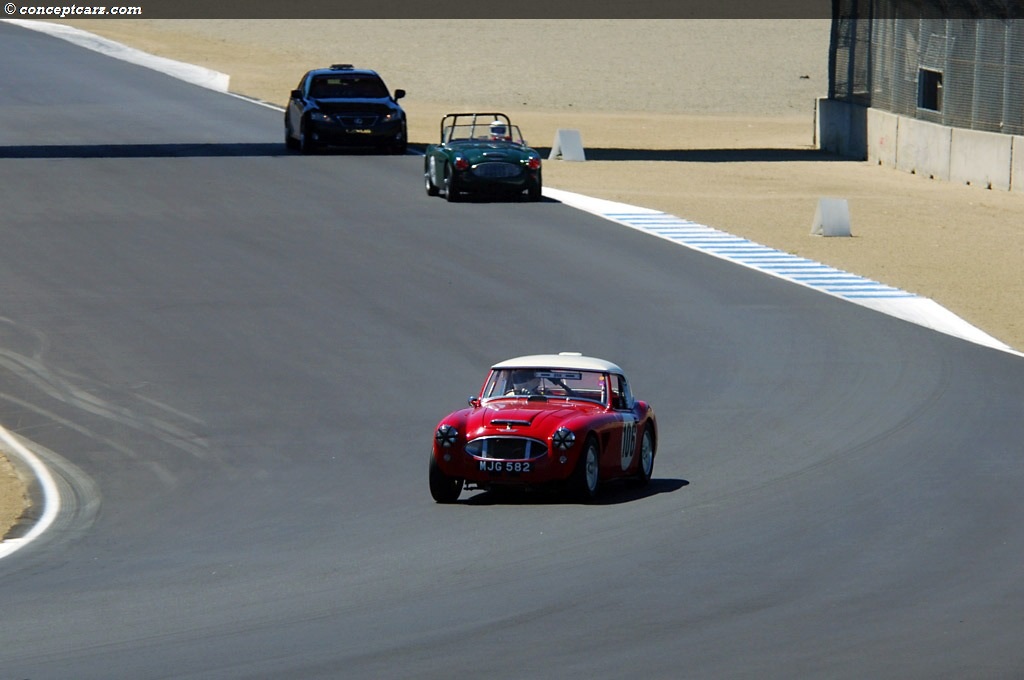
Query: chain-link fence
x=954, y=62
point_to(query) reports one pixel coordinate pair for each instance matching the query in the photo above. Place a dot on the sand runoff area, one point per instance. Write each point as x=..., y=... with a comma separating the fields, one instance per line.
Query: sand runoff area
x=708, y=120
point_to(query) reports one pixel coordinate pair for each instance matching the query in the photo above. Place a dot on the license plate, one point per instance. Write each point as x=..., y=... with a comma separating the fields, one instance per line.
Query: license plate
x=505, y=466
x=359, y=132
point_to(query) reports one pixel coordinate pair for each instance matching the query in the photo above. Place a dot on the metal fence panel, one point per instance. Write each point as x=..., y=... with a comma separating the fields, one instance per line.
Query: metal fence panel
x=945, y=61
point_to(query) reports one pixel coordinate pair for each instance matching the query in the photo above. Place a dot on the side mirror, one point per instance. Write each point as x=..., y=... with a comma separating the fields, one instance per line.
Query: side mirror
x=399, y=94
x=474, y=401
x=296, y=94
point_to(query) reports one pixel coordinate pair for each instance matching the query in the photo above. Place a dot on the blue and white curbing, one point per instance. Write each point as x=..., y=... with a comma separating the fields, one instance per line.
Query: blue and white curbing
x=799, y=270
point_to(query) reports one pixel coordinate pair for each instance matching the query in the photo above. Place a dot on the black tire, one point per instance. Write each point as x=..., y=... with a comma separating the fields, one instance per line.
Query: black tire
x=402, y=145
x=443, y=489
x=645, y=466
x=534, y=191
x=586, y=478
x=432, y=189
x=306, y=144
x=290, y=142
x=451, y=193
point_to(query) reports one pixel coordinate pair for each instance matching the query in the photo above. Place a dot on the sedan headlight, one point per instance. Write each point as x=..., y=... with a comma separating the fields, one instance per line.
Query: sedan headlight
x=446, y=436
x=320, y=117
x=563, y=439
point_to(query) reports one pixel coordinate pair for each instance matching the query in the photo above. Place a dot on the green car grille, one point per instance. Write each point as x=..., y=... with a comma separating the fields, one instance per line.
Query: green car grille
x=497, y=170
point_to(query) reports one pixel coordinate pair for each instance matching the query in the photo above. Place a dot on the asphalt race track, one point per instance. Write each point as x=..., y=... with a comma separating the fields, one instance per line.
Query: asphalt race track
x=233, y=359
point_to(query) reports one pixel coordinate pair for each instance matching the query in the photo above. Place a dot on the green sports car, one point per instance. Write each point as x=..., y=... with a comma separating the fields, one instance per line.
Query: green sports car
x=482, y=154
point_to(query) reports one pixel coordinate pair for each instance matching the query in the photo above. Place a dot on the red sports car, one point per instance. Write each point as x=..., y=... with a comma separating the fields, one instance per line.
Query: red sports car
x=549, y=418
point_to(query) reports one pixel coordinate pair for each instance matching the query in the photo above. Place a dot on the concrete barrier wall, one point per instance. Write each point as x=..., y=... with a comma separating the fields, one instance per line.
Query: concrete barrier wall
x=882, y=127
x=923, y=148
x=986, y=159
x=980, y=159
x=842, y=128
x=1017, y=165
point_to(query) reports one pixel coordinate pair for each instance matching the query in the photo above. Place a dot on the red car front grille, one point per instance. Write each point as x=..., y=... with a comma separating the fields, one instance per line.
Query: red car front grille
x=506, y=448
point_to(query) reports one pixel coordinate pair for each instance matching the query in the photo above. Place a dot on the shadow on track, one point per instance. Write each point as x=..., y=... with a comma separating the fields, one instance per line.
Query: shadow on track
x=188, y=150
x=707, y=155
x=614, y=493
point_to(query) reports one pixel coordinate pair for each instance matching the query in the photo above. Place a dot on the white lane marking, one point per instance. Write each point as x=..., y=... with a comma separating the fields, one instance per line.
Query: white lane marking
x=190, y=73
x=51, y=496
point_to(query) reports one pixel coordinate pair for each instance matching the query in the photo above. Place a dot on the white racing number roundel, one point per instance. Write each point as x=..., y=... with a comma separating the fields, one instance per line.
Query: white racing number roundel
x=628, y=443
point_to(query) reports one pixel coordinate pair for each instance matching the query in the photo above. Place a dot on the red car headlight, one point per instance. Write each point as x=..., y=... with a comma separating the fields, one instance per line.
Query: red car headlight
x=446, y=436
x=563, y=439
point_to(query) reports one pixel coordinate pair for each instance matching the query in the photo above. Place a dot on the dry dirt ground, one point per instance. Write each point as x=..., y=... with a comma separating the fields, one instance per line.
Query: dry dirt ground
x=709, y=120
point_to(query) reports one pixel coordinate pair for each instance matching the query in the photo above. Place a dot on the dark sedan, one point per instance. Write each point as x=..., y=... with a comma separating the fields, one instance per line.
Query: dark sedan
x=346, y=107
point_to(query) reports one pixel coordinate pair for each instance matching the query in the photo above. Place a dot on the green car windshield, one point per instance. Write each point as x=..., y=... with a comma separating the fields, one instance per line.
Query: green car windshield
x=483, y=132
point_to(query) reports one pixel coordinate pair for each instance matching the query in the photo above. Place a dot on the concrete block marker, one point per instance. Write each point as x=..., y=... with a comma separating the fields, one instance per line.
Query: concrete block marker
x=568, y=145
x=831, y=218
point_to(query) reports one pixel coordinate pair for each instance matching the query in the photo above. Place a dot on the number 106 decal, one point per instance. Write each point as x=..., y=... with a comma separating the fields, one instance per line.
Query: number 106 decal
x=628, y=442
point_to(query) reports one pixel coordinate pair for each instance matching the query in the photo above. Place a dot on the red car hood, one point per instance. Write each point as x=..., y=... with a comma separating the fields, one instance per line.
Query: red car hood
x=528, y=419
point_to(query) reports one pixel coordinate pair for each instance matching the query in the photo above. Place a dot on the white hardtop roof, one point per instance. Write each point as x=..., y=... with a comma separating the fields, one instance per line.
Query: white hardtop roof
x=571, y=360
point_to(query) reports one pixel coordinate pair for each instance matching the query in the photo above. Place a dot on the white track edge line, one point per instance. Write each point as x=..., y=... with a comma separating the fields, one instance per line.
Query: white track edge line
x=51, y=495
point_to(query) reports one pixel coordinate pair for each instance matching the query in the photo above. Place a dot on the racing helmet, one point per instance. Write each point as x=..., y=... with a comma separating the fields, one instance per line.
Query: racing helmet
x=499, y=130
x=525, y=381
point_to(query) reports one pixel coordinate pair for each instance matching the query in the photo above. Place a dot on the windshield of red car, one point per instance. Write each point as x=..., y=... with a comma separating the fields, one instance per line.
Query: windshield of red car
x=553, y=383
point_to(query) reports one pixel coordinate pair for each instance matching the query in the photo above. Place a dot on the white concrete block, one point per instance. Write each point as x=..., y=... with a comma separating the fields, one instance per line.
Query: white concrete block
x=831, y=218
x=568, y=145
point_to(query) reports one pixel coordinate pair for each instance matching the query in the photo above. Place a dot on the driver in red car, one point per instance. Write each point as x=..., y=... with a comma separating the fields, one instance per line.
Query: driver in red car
x=525, y=383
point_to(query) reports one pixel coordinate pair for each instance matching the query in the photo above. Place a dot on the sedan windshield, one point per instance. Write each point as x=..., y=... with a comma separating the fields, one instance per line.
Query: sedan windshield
x=548, y=382
x=347, y=87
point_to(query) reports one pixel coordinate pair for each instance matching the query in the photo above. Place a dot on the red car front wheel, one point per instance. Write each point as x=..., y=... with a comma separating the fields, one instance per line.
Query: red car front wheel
x=586, y=478
x=443, y=489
